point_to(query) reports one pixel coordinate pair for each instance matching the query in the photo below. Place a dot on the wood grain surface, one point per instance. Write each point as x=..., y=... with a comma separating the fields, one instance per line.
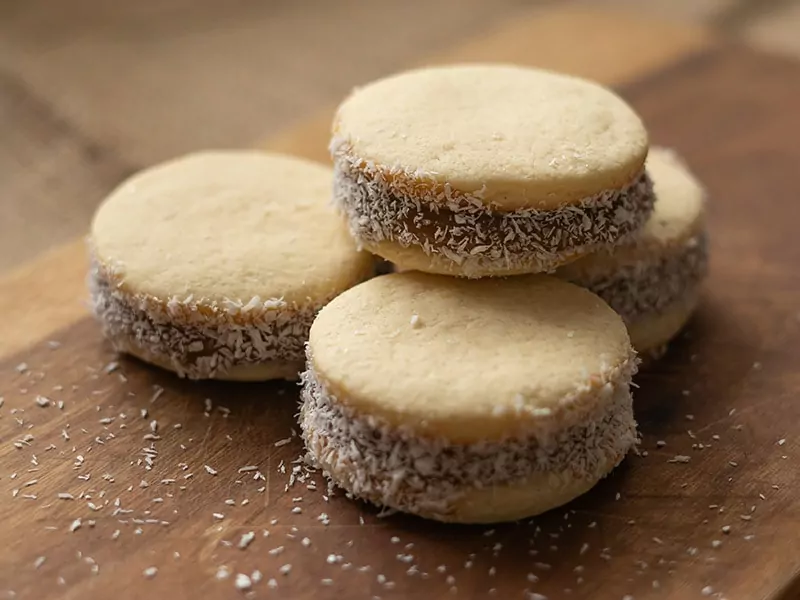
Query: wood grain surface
x=724, y=522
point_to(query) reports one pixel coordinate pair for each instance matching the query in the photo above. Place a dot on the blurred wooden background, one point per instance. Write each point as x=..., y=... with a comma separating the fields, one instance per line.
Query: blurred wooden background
x=91, y=90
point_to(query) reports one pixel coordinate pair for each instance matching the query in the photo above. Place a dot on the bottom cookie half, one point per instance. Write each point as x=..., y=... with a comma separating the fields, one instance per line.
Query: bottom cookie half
x=479, y=482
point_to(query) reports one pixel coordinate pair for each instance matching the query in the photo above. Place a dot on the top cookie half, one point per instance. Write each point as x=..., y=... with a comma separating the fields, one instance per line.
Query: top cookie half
x=522, y=137
x=216, y=230
x=509, y=141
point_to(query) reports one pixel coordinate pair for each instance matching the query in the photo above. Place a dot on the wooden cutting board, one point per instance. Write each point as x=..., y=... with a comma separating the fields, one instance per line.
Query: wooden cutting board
x=125, y=482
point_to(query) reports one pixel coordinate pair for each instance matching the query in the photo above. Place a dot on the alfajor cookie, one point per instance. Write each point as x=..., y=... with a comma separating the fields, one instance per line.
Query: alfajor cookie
x=481, y=170
x=214, y=265
x=653, y=281
x=467, y=401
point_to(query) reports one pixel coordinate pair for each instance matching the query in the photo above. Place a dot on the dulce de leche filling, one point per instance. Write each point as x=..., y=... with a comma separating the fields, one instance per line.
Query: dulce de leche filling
x=466, y=231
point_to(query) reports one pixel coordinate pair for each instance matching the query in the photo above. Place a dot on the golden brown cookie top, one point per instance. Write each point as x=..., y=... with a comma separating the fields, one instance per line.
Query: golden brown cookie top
x=513, y=137
x=227, y=228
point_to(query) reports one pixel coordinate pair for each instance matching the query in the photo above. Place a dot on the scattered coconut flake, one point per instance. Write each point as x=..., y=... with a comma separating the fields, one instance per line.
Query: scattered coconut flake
x=242, y=582
x=157, y=391
x=111, y=367
x=150, y=572
x=222, y=573
x=246, y=539
x=680, y=458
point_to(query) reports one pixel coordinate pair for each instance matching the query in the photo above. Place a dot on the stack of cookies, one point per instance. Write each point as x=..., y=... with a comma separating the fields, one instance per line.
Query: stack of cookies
x=450, y=389
x=478, y=383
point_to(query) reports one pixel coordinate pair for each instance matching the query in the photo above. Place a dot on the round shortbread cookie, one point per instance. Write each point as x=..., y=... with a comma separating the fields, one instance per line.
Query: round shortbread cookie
x=214, y=265
x=479, y=170
x=470, y=401
x=653, y=280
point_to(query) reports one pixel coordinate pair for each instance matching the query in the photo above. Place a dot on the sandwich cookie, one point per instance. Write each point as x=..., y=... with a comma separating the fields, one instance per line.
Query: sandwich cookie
x=653, y=281
x=467, y=401
x=488, y=170
x=214, y=265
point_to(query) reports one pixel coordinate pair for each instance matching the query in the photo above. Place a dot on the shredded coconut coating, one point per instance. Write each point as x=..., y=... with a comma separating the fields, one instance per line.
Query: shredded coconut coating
x=412, y=209
x=648, y=287
x=198, y=339
x=395, y=468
